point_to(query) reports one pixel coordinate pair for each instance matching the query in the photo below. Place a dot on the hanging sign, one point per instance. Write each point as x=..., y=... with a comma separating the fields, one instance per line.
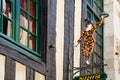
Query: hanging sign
x=92, y=77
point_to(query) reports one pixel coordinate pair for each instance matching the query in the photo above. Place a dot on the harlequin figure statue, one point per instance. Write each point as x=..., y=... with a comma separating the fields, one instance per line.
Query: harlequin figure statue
x=88, y=35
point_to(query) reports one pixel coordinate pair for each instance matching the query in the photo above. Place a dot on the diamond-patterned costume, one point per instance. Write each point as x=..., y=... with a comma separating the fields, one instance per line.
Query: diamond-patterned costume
x=89, y=41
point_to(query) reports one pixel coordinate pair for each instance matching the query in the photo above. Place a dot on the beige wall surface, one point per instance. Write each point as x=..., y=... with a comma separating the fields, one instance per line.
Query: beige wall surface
x=20, y=73
x=117, y=38
x=59, y=39
x=2, y=67
x=39, y=76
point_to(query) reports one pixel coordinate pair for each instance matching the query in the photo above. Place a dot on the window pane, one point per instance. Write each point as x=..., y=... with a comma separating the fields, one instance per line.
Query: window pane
x=89, y=1
x=24, y=20
x=32, y=8
x=7, y=9
x=95, y=49
x=99, y=30
x=99, y=40
x=4, y=5
x=32, y=25
x=32, y=42
x=88, y=15
x=7, y=27
x=23, y=4
x=23, y=37
x=0, y=5
x=95, y=7
x=99, y=50
x=99, y=3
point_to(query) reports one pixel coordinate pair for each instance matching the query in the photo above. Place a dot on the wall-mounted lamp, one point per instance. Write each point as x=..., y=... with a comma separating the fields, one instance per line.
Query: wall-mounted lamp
x=104, y=15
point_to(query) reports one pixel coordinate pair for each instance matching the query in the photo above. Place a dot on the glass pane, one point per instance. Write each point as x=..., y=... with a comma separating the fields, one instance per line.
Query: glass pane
x=23, y=37
x=33, y=25
x=89, y=1
x=32, y=8
x=99, y=3
x=32, y=42
x=95, y=70
x=0, y=5
x=99, y=51
x=7, y=9
x=95, y=60
x=95, y=49
x=99, y=30
x=99, y=40
x=99, y=11
x=23, y=4
x=23, y=20
x=88, y=15
x=7, y=27
x=95, y=7
x=4, y=5
x=98, y=60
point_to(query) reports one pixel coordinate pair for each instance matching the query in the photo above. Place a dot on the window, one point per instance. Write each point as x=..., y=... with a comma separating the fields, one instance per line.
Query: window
x=93, y=9
x=21, y=23
x=6, y=17
x=28, y=21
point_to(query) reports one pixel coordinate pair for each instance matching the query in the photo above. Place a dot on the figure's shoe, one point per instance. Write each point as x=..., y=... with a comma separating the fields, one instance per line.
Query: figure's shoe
x=87, y=63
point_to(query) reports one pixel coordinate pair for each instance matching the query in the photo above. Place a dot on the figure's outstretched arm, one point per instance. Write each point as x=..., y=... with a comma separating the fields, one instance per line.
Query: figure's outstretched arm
x=98, y=24
x=80, y=39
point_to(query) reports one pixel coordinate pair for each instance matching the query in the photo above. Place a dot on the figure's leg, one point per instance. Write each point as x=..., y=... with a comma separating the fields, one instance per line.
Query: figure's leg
x=90, y=49
x=90, y=45
x=84, y=49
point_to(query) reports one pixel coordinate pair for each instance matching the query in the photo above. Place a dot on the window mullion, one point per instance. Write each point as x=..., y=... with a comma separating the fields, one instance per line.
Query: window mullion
x=28, y=15
x=17, y=21
x=1, y=21
x=38, y=21
x=1, y=17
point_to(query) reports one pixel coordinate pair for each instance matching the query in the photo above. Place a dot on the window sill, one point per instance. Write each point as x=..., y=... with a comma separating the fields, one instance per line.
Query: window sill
x=20, y=48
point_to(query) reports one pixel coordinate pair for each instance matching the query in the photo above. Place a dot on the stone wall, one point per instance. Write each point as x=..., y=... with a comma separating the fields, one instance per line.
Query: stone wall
x=117, y=38
x=109, y=40
x=112, y=39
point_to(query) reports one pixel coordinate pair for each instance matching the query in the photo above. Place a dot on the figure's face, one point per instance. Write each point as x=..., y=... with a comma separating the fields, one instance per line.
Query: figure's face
x=89, y=27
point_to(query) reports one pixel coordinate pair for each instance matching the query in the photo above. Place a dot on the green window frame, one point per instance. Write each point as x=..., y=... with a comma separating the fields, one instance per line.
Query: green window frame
x=93, y=9
x=24, y=23
x=30, y=18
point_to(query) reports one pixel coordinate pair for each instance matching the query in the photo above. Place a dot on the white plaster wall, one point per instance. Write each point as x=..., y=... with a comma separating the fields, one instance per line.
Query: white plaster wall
x=39, y=76
x=2, y=67
x=77, y=27
x=20, y=73
x=59, y=39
